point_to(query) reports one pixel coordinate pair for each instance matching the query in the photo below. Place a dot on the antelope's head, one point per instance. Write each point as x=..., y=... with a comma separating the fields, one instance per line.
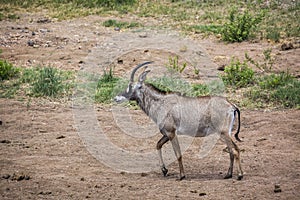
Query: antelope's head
x=133, y=90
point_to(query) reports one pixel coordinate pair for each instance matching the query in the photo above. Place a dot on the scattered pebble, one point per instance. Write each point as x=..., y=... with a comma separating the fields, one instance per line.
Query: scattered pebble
x=5, y=141
x=144, y=174
x=120, y=61
x=6, y=176
x=43, y=30
x=261, y=139
x=277, y=188
x=61, y=137
x=202, y=194
x=45, y=193
x=43, y=20
x=30, y=43
x=286, y=46
x=143, y=35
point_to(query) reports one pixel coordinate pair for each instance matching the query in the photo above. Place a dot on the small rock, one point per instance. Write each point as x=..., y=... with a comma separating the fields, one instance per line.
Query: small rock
x=43, y=20
x=30, y=43
x=144, y=174
x=202, y=194
x=44, y=30
x=261, y=139
x=5, y=141
x=193, y=191
x=20, y=177
x=143, y=35
x=82, y=179
x=286, y=46
x=45, y=193
x=221, y=68
x=120, y=61
x=6, y=176
x=117, y=29
x=61, y=137
x=277, y=188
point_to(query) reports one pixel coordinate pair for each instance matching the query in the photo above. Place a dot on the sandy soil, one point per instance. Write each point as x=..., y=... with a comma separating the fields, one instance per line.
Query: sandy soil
x=42, y=156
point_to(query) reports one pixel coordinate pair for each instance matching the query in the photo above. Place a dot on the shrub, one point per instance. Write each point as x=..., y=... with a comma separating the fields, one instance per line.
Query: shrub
x=239, y=27
x=106, y=87
x=7, y=71
x=275, y=80
x=49, y=82
x=174, y=65
x=278, y=89
x=266, y=65
x=238, y=74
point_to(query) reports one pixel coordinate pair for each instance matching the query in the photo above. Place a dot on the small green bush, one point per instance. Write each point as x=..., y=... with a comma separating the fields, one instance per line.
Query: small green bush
x=275, y=80
x=115, y=23
x=49, y=82
x=239, y=27
x=238, y=74
x=106, y=87
x=7, y=70
x=174, y=65
x=278, y=89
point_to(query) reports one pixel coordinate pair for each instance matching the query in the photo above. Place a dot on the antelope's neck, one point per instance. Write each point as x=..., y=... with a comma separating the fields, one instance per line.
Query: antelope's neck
x=150, y=101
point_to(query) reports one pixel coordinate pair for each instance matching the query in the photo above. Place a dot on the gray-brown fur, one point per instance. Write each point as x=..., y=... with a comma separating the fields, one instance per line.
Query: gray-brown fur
x=180, y=115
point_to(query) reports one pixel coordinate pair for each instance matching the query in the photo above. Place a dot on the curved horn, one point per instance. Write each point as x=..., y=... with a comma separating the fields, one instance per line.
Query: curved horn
x=137, y=67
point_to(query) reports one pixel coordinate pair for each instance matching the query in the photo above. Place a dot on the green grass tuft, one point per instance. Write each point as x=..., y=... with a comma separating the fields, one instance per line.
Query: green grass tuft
x=115, y=23
x=106, y=87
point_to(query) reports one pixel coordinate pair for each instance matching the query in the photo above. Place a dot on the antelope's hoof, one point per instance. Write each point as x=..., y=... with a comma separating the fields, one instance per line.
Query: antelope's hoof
x=240, y=177
x=228, y=176
x=164, y=171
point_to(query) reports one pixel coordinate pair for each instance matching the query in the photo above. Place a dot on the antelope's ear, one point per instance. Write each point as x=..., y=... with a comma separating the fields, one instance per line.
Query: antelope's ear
x=142, y=77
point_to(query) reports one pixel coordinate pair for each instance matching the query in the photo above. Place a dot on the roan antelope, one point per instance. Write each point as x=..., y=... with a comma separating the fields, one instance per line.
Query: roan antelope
x=180, y=115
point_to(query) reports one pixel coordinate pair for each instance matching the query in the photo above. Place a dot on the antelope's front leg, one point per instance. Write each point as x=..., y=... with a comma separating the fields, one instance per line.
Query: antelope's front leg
x=159, y=145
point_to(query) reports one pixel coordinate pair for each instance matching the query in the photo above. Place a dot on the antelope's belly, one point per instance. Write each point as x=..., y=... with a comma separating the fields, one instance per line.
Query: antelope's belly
x=195, y=131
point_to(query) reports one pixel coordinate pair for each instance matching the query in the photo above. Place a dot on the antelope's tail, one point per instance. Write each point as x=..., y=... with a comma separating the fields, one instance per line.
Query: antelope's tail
x=236, y=135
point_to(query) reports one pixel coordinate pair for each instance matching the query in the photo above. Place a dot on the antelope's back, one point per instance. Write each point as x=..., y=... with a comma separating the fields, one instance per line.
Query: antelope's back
x=202, y=116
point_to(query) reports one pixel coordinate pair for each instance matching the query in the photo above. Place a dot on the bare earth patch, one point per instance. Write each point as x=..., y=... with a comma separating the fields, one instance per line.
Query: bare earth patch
x=43, y=157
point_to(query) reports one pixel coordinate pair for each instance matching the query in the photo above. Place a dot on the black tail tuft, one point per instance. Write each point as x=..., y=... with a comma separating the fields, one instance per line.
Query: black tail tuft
x=236, y=135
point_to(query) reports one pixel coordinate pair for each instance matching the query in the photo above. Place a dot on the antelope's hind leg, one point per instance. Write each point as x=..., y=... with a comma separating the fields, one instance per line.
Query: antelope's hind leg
x=234, y=154
x=178, y=155
x=159, y=145
x=238, y=161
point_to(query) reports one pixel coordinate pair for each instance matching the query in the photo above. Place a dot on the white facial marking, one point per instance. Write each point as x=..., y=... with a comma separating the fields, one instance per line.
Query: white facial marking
x=119, y=99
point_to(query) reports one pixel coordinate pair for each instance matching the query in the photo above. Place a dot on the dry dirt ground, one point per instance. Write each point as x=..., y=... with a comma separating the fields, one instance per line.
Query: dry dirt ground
x=43, y=157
